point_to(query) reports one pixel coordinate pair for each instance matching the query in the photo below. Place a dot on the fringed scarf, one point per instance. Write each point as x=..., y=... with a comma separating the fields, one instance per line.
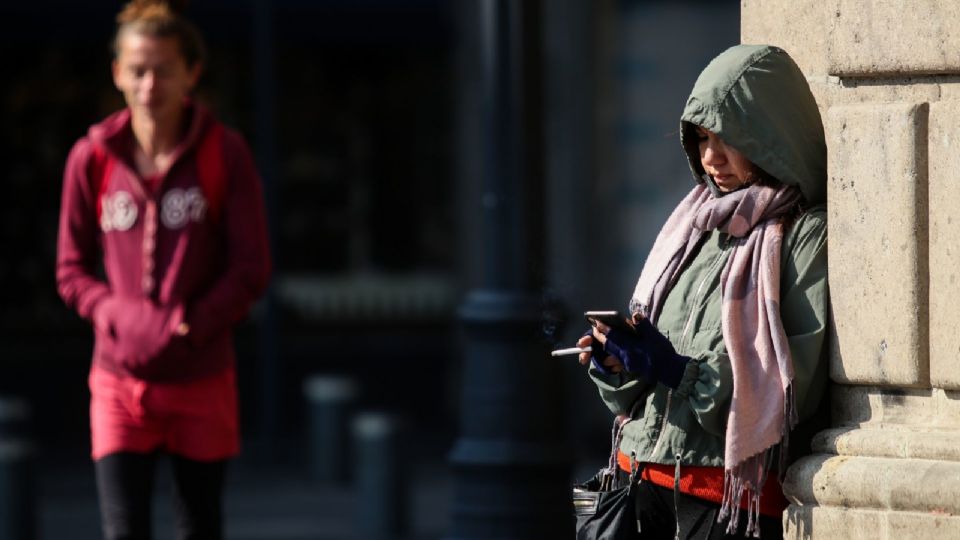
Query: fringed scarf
x=762, y=409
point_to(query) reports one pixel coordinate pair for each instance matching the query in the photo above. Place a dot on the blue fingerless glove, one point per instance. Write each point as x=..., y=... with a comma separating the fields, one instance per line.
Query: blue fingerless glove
x=647, y=353
x=597, y=354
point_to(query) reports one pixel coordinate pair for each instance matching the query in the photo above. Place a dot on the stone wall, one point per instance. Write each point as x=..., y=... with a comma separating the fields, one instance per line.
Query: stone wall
x=886, y=74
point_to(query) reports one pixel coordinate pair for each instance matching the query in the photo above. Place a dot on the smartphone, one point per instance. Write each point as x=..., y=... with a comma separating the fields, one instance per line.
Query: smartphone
x=613, y=319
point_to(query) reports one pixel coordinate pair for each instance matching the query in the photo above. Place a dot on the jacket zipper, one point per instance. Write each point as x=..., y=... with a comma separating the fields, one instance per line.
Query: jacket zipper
x=683, y=336
x=697, y=297
x=663, y=426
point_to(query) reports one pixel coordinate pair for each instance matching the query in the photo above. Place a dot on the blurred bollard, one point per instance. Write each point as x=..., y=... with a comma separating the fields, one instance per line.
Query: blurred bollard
x=381, y=490
x=17, y=497
x=329, y=400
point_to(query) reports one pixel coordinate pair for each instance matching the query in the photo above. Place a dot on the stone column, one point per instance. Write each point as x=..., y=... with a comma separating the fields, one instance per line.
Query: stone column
x=886, y=75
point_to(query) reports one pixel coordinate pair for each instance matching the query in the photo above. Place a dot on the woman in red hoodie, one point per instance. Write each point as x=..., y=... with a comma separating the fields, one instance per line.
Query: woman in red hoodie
x=169, y=201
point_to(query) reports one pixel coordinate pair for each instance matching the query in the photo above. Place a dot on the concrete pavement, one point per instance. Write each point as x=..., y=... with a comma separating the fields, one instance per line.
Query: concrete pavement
x=263, y=502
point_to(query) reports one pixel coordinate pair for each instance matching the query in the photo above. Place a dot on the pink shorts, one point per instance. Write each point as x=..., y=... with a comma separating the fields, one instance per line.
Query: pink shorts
x=197, y=419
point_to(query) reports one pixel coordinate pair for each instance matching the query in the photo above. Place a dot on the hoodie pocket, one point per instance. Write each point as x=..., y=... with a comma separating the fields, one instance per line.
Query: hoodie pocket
x=141, y=331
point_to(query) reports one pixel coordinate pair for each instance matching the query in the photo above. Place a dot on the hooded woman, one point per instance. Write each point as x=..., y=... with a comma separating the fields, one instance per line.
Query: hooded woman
x=730, y=310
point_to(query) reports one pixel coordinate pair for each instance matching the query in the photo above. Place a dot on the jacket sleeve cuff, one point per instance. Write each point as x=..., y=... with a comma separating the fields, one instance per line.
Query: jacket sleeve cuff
x=618, y=391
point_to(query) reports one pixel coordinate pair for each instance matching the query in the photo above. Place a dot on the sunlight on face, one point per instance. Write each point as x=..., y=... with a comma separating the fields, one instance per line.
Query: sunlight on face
x=728, y=167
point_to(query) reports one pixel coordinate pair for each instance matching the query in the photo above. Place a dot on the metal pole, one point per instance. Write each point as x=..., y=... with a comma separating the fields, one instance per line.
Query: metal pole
x=17, y=490
x=380, y=476
x=265, y=93
x=510, y=466
x=329, y=403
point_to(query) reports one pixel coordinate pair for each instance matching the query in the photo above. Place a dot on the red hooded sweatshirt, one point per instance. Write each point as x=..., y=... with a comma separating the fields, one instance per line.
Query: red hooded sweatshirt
x=166, y=258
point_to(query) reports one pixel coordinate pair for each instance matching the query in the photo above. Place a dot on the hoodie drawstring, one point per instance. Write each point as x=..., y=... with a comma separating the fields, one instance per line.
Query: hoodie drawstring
x=634, y=469
x=676, y=495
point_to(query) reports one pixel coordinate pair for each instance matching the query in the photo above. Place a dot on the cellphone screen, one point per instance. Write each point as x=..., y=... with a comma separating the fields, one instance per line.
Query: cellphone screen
x=613, y=319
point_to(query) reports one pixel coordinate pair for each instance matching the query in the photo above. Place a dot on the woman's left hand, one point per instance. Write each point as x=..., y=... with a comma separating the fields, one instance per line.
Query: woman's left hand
x=645, y=352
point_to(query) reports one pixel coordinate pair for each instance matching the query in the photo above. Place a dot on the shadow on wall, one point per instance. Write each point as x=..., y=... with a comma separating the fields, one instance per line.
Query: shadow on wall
x=798, y=522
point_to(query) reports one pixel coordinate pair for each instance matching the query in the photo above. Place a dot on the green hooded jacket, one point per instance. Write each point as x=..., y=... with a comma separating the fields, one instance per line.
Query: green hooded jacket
x=758, y=101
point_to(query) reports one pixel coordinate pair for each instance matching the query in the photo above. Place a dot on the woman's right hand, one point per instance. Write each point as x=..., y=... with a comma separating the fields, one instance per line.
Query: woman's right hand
x=609, y=363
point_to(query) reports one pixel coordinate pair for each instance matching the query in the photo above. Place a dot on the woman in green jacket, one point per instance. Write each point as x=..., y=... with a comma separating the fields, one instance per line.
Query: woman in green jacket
x=730, y=311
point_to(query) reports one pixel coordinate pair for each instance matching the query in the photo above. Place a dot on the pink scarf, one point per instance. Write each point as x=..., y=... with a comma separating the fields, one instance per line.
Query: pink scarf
x=761, y=409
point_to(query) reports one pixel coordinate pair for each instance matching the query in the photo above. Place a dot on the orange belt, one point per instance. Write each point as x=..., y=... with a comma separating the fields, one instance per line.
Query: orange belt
x=707, y=483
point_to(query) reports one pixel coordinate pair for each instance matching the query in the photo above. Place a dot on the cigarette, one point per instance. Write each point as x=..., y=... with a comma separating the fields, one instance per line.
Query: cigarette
x=571, y=350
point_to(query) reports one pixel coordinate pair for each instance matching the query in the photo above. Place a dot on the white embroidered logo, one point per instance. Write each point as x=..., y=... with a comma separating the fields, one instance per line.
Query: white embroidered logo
x=118, y=212
x=178, y=206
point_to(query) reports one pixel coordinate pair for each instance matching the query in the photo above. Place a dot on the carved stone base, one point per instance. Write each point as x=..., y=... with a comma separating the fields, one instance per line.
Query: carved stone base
x=892, y=473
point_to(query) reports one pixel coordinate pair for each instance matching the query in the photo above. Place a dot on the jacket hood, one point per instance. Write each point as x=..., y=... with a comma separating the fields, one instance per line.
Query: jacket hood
x=757, y=100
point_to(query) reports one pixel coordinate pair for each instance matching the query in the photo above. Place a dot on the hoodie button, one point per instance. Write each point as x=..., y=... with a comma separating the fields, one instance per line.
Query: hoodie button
x=150, y=219
x=149, y=245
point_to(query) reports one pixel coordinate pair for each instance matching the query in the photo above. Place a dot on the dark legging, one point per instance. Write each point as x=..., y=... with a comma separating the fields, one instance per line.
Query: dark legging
x=125, y=487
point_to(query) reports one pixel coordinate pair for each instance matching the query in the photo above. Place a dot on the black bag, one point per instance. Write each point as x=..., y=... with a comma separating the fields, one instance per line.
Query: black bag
x=604, y=506
x=605, y=514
